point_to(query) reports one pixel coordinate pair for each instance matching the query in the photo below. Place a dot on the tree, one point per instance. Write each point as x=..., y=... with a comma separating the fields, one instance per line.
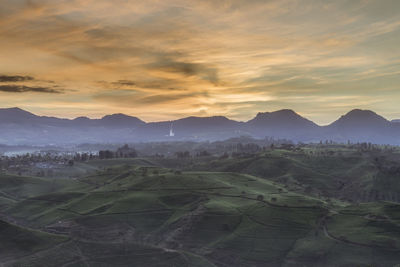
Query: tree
x=106, y=154
x=84, y=157
x=224, y=156
x=272, y=146
x=203, y=153
x=182, y=154
x=126, y=152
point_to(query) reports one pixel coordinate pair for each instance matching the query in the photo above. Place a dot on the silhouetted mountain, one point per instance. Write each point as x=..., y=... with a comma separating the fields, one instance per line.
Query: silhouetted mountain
x=397, y=121
x=19, y=116
x=204, y=128
x=16, y=115
x=358, y=119
x=202, y=125
x=82, y=121
x=362, y=126
x=120, y=120
x=283, y=124
x=22, y=127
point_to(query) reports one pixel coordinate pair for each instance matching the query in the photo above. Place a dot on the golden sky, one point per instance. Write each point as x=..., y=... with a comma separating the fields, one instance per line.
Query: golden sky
x=166, y=59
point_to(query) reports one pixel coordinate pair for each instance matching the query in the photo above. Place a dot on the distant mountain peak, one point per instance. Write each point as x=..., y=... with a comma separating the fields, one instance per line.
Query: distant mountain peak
x=283, y=123
x=361, y=112
x=286, y=111
x=120, y=119
x=282, y=112
x=16, y=115
x=282, y=116
x=15, y=109
x=211, y=118
x=360, y=121
x=206, y=122
x=362, y=115
x=116, y=115
x=81, y=118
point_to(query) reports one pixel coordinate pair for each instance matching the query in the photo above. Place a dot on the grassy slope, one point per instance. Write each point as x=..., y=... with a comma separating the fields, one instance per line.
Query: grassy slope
x=208, y=217
x=345, y=174
x=17, y=188
x=17, y=242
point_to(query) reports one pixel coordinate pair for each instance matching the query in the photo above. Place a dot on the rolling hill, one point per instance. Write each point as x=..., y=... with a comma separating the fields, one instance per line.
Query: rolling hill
x=150, y=216
x=342, y=173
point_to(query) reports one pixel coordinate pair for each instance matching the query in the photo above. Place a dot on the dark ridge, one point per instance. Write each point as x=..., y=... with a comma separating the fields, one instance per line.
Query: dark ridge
x=22, y=127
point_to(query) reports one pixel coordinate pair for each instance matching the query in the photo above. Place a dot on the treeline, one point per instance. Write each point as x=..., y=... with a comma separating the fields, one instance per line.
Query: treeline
x=47, y=160
x=235, y=150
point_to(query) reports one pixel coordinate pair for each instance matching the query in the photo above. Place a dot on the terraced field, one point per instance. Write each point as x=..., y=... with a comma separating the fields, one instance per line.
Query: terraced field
x=349, y=175
x=128, y=214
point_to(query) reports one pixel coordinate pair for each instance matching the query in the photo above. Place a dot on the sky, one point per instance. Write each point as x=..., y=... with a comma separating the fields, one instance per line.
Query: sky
x=167, y=59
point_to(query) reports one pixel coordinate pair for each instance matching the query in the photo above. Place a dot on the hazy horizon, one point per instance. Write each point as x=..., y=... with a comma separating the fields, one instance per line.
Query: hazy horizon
x=183, y=116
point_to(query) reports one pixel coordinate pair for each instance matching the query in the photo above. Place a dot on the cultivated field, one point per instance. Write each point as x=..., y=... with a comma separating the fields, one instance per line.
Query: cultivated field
x=136, y=212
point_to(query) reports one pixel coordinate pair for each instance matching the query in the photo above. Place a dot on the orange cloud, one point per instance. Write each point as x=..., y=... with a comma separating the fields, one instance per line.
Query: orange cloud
x=201, y=57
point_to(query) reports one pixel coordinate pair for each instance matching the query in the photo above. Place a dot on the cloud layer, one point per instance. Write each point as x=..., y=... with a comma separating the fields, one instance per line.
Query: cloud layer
x=165, y=59
x=23, y=89
x=15, y=78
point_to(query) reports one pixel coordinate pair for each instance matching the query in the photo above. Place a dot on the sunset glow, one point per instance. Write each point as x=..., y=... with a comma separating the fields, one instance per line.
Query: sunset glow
x=160, y=60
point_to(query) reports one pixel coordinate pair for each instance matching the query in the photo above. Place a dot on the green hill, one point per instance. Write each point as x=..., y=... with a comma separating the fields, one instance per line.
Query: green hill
x=337, y=172
x=130, y=215
x=17, y=242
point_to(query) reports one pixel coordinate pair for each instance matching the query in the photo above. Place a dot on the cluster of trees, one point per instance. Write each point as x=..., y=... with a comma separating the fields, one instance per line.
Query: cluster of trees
x=182, y=154
x=244, y=144
x=240, y=147
x=238, y=150
x=248, y=147
x=84, y=156
x=106, y=154
x=122, y=152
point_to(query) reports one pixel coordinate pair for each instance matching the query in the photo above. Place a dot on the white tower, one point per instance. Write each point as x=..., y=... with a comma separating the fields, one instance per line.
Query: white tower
x=171, y=132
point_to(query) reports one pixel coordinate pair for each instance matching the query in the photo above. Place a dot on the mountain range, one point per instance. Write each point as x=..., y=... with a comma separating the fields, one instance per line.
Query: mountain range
x=22, y=127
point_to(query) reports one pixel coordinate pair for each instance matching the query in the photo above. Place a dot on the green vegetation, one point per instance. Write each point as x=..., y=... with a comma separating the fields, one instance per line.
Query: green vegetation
x=252, y=211
x=18, y=242
x=334, y=172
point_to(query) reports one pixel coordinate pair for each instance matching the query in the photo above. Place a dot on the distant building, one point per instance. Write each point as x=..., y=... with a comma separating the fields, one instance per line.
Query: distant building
x=171, y=132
